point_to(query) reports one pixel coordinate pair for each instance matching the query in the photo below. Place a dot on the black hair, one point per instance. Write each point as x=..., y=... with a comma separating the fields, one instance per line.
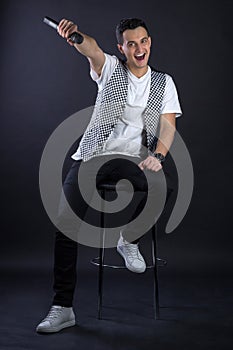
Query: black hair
x=128, y=23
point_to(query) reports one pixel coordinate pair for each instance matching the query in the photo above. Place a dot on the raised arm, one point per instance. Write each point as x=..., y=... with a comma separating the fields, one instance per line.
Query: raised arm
x=88, y=47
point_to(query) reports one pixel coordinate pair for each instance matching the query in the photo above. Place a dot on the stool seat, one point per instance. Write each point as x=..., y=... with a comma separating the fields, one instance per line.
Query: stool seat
x=112, y=186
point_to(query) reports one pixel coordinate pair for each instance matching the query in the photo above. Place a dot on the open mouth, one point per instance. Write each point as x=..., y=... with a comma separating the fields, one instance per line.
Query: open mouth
x=140, y=57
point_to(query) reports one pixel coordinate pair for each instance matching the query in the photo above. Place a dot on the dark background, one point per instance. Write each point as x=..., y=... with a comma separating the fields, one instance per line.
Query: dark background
x=44, y=81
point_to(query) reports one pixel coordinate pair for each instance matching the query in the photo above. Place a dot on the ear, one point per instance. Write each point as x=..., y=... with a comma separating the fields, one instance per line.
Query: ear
x=149, y=39
x=120, y=49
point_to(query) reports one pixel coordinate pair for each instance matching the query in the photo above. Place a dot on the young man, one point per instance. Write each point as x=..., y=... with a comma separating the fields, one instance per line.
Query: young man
x=132, y=97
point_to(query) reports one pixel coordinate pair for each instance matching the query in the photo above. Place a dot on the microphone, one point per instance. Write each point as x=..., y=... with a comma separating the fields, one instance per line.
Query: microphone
x=75, y=37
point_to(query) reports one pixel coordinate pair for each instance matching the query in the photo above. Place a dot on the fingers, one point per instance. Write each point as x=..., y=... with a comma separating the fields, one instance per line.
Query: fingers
x=150, y=163
x=66, y=28
x=141, y=165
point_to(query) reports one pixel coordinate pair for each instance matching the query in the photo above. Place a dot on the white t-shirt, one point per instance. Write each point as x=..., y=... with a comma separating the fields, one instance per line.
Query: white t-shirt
x=126, y=137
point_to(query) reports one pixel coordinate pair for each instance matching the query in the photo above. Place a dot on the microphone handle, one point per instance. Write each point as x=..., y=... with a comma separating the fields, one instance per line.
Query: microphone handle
x=75, y=37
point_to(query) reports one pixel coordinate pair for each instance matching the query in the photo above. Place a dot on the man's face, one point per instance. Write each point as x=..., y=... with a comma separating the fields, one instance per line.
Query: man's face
x=136, y=48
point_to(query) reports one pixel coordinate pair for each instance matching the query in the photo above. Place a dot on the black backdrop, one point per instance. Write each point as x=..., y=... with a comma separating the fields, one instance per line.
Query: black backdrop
x=44, y=81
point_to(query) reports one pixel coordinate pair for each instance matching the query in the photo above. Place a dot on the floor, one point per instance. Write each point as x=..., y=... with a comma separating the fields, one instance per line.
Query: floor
x=196, y=308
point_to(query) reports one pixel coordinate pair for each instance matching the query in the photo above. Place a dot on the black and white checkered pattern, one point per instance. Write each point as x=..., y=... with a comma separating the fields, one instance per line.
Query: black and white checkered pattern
x=154, y=103
x=109, y=106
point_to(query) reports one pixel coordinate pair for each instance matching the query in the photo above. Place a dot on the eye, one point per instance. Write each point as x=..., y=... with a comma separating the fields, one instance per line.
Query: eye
x=145, y=40
x=131, y=44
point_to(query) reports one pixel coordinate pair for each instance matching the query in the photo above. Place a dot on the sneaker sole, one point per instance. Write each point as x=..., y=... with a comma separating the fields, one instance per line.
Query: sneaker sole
x=129, y=267
x=56, y=329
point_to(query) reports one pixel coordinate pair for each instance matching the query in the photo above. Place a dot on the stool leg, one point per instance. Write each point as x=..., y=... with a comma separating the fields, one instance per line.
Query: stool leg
x=101, y=258
x=155, y=269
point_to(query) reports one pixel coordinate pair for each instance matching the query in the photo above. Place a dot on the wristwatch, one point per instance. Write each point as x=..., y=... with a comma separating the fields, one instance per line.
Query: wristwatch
x=159, y=156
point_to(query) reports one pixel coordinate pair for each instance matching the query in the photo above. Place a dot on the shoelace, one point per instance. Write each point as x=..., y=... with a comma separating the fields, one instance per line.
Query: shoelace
x=53, y=314
x=132, y=251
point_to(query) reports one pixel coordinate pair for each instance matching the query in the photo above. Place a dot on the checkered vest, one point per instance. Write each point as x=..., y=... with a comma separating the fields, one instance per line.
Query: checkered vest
x=109, y=106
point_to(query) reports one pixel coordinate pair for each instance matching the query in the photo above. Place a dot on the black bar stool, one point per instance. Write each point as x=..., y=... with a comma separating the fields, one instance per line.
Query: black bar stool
x=99, y=261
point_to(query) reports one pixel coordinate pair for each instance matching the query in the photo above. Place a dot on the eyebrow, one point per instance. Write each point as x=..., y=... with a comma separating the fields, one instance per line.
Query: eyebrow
x=132, y=41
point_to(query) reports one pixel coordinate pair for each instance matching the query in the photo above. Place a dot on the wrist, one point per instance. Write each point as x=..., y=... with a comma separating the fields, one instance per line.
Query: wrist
x=159, y=156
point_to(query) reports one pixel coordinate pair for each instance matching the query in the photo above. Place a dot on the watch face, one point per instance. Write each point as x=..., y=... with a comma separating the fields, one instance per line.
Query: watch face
x=160, y=157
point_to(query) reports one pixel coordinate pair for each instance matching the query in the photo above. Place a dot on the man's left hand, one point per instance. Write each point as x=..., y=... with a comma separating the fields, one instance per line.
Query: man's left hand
x=150, y=163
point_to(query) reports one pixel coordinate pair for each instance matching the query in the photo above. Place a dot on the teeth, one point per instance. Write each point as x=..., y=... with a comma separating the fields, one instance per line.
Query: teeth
x=140, y=55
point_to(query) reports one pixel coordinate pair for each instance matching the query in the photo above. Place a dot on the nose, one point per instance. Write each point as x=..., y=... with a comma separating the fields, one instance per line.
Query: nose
x=139, y=48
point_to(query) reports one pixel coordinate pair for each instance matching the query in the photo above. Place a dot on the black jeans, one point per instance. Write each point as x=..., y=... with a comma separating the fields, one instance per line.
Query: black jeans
x=65, y=255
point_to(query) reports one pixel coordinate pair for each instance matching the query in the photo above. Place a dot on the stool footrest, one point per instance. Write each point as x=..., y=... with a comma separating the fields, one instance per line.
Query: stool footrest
x=96, y=262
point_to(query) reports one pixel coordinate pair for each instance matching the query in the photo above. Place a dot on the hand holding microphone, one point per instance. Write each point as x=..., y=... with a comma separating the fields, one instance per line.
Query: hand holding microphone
x=66, y=29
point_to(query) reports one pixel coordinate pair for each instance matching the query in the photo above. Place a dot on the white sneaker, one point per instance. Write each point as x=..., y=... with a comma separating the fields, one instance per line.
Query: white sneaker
x=130, y=252
x=59, y=317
